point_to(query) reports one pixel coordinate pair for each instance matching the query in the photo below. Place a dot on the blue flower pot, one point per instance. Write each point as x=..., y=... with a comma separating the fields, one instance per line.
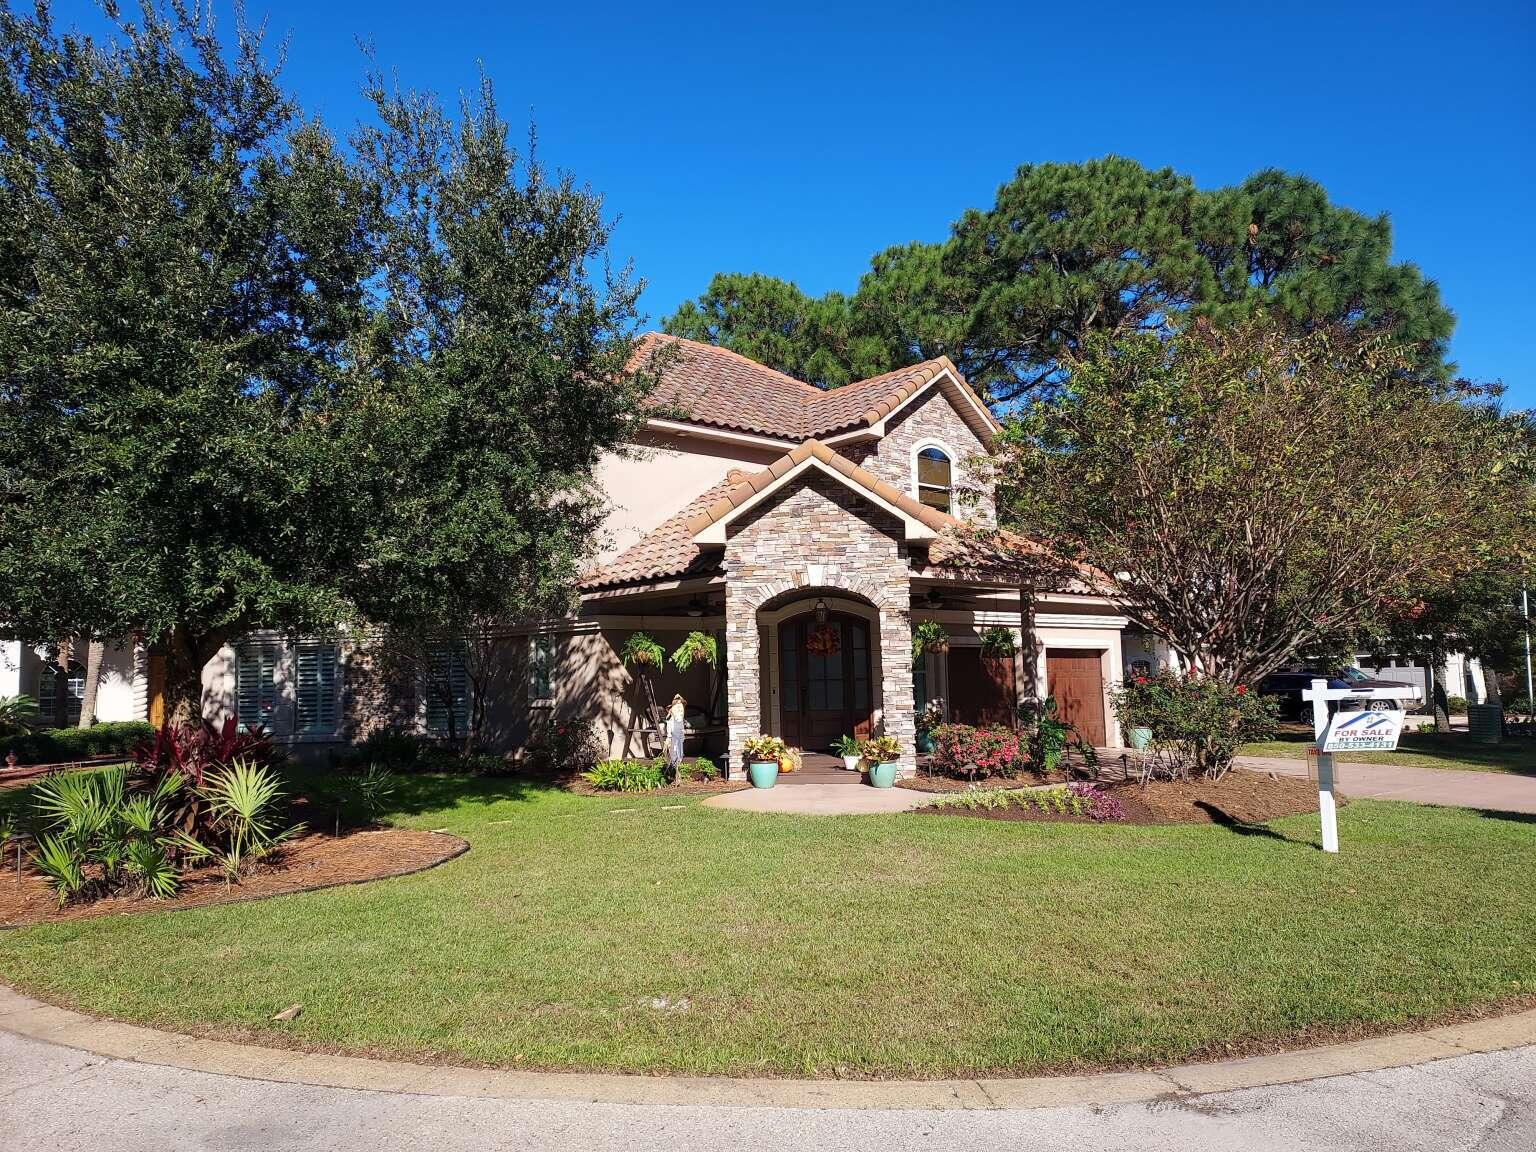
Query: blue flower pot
x=883, y=775
x=924, y=743
x=1140, y=738
x=764, y=773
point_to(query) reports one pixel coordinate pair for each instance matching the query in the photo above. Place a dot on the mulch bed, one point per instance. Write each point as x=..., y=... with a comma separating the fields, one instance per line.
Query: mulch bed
x=1239, y=798
x=312, y=861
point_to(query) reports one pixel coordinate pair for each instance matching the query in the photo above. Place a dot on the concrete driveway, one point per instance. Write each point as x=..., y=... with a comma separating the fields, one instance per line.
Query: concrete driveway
x=1498, y=791
x=66, y=1100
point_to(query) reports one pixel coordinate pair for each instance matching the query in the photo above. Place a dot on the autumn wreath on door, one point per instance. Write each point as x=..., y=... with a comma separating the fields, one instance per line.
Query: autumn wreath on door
x=824, y=640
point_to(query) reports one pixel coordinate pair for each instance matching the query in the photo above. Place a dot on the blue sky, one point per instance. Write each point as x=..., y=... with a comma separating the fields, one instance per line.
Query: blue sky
x=798, y=140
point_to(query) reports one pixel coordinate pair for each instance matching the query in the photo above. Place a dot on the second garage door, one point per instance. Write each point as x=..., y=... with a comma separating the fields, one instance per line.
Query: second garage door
x=1075, y=678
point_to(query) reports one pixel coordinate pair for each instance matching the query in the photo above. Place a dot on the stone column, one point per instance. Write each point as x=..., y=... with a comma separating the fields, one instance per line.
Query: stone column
x=743, y=693
x=897, y=699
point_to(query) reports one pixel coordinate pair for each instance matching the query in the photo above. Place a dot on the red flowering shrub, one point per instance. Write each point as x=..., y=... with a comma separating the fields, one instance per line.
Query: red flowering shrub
x=1197, y=721
x=564, y=747
x=962, y=750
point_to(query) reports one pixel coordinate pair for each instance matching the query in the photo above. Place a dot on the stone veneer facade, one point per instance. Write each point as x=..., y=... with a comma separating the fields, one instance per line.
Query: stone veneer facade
x=817, y=535
x=932, y=418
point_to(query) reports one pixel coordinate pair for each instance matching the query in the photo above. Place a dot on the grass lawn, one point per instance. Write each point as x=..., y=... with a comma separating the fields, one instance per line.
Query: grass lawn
x=631, y=934
x=1516, y=755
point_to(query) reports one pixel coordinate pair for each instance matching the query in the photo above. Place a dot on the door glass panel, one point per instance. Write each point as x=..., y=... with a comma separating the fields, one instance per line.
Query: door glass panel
x=860, y=632
x=789, y=668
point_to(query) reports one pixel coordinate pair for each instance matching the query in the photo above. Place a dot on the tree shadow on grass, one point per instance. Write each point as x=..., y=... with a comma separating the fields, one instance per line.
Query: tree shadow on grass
x=1225, y=819
x=1513, y=817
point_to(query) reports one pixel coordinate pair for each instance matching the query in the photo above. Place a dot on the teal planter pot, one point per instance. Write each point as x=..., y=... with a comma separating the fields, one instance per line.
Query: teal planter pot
x=1140, y=738
x=924, y=743
x=883, y=775
x=764, y=774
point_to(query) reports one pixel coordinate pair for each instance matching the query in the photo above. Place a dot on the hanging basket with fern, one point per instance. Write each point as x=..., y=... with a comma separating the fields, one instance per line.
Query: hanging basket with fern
x=642, y=652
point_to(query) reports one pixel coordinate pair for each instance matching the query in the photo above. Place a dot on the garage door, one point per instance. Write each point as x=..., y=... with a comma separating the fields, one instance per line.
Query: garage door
x=1076, y=679
x=980, y=687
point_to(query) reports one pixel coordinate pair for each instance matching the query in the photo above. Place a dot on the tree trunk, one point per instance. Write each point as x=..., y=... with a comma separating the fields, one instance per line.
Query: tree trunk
x=1494, y=689
x=95, y=651
x=1438, y=700
x=186, y=654
x=61, y=686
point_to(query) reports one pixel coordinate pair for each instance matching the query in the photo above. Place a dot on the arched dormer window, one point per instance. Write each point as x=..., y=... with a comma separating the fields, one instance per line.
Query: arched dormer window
x=935, y=479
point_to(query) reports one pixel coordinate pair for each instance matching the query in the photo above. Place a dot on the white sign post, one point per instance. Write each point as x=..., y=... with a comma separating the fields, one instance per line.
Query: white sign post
x=1368, y=730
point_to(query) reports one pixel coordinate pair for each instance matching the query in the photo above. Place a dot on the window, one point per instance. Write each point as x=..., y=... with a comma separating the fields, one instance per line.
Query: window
x=315, y=664
x=935, y=479
x=256, y=684
x=48, y=694
x=447, y=692
x=541, y=659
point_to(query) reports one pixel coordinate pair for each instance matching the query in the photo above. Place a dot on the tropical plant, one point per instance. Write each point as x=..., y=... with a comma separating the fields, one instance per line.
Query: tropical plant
x=1050, y=735
x=627, y=775
x=244, y=803
x=881, y=749
x=642, y=651
x=848, y=746
x=696, y=646
x=17, y=714
x=762, y=749
x=192, y=752
x=62, y=861
x=998, y=641
x=931, y=716
x=928, y=636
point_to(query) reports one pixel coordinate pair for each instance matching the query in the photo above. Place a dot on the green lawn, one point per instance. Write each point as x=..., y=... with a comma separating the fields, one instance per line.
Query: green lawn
x=1420, y=749
x=898, y=946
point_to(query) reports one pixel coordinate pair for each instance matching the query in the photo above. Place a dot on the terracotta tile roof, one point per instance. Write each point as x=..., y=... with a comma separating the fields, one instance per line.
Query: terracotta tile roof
x=705, y=384
x=667, y=551
x=738, y=494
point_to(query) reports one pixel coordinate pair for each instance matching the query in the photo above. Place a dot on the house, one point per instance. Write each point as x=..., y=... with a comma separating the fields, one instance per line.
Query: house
x=809, y=531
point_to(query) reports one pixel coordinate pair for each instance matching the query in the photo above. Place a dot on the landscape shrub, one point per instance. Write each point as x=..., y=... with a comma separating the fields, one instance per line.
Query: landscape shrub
x=627, y=775
x=572, y=748
x=1456, y=705
x=698, y=768
x=67, y=745
x=964, y=750
x=1080, y=799
x=1198, y=722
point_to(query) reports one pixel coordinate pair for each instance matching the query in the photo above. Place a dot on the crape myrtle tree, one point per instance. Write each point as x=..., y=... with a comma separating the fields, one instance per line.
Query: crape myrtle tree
x=1250, y=491
x=496, y=371
x=181, y=259
x=1069, y=252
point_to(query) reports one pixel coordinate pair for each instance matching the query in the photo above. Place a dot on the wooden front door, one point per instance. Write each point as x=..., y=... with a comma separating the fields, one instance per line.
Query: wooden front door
x=824, y=673
x=981, y=688
x=1076, y=679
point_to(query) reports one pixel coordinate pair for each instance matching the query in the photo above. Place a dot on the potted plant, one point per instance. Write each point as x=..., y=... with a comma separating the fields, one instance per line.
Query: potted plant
x=763, y=754
x=882, y=752
x=643, y=652
x=929, y=636
x=928, y=719
x=849, y=749
x=997, y=642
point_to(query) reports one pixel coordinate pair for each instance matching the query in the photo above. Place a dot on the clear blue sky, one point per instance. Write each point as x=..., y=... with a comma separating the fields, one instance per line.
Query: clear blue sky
x=799, y=139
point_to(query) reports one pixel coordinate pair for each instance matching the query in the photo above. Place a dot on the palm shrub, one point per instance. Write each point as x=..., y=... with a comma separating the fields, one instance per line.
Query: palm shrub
x=17, y=714
x=193, y=752
x=101, y=840
x=244, y=803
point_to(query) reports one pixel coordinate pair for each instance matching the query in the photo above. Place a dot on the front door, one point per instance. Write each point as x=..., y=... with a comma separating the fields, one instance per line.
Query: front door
x=824, y=671
x=1076, y=679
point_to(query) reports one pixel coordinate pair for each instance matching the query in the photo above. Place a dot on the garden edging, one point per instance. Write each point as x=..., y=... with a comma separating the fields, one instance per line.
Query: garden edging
x=23, y=1016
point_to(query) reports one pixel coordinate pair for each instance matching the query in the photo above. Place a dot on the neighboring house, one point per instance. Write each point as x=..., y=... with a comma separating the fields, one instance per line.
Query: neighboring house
x=120, y=696
x=808, y=530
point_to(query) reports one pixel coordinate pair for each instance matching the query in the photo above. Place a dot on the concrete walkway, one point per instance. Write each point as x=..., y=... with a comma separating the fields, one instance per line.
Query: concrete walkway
x=1497, y=791
x=848, y=797
x=64, y=1098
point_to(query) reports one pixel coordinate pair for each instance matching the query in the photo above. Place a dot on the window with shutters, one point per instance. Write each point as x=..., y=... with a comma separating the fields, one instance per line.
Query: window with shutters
x=256, y=690
x=316, y=663
x=541, y=659
x=447, y=692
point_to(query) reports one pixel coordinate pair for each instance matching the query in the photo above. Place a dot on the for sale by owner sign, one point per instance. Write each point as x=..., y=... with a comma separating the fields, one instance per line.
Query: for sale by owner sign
x=1369, y=731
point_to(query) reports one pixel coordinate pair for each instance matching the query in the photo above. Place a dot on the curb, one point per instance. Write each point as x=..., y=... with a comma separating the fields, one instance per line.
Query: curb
x=22, y=1016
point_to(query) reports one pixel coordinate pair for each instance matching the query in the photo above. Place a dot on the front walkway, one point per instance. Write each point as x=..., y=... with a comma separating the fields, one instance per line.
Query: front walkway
x=850, y=797
x=1496, y=791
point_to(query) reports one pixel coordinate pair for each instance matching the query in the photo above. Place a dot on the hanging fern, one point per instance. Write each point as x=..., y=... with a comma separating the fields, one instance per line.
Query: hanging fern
x=929, y=636
x=997, y=641
x=641, y=651
x=696, y=646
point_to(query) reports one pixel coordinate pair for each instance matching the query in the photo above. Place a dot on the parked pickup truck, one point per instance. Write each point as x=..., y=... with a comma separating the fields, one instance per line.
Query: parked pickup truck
x=1286, y=686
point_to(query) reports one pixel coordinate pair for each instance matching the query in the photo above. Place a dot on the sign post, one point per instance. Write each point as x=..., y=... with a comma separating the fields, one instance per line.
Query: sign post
x=1368, y=730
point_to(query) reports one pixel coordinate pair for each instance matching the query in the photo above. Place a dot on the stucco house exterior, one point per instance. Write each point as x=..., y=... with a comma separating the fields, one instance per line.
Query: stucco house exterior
x=809, y=531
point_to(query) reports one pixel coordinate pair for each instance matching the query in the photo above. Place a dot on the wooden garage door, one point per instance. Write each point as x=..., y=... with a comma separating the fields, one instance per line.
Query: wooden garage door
x=1076, y=680
x=980, y=688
